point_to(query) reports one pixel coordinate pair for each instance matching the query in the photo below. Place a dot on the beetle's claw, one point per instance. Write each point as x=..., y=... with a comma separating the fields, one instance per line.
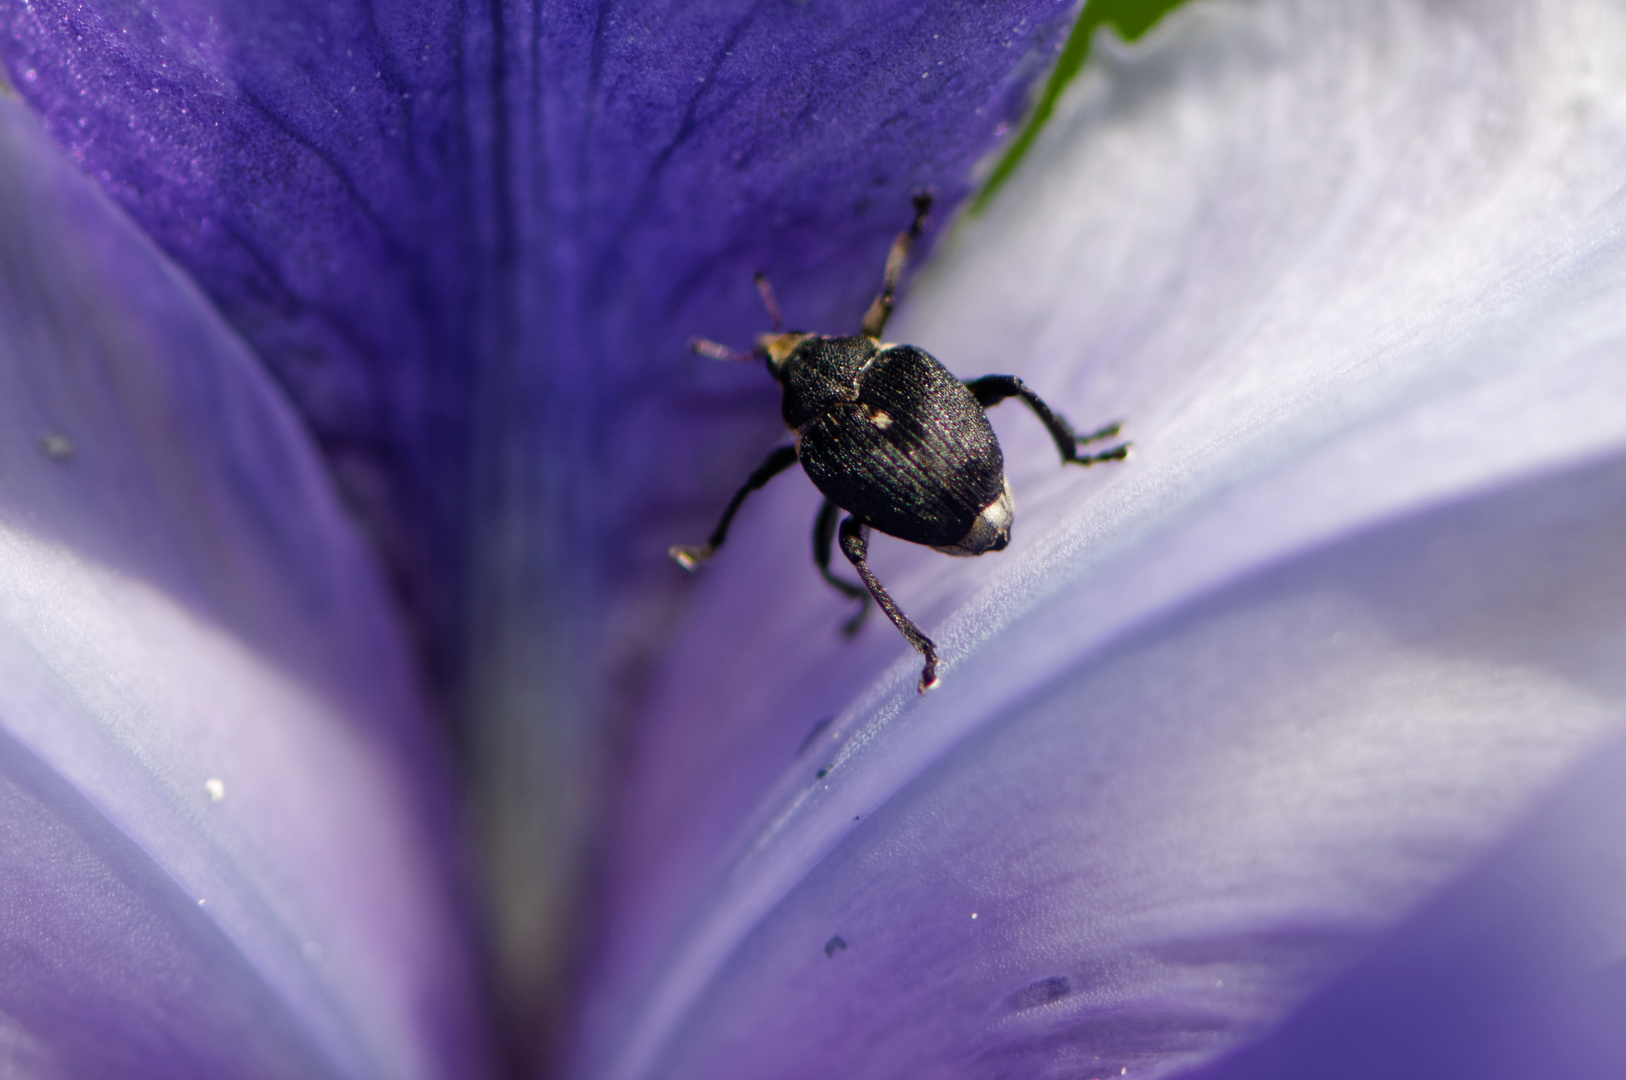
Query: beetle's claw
x=929, y=679
x=690, y=556
x=1117, y=453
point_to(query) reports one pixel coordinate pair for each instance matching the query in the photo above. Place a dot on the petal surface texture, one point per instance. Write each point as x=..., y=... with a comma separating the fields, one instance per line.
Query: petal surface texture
x=226, y=840
x=1223, y=718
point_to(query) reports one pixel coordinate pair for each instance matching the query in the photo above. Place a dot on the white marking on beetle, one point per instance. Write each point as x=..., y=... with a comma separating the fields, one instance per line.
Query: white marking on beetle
x=880, y=419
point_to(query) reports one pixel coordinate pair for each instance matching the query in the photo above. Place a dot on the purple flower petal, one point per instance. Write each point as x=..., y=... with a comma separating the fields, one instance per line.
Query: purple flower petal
x=471, y=245
x=1221, y=717
x=1516, y=970
x=228, y=840
x=309, y=166
x=443, y=228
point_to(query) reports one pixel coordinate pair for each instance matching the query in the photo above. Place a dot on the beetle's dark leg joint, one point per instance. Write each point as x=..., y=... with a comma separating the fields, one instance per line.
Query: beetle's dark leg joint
x=880, y=311
x=691, y=556
x=990, y=390
x=855, y=545
x=824, y=538
x=769, y=300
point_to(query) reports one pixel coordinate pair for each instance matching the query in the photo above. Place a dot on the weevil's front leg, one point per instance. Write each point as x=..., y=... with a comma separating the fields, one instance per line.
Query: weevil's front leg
x=855, y=545
x=881, y=310
x=824, y=539
x=777, y=462
x=990, y=390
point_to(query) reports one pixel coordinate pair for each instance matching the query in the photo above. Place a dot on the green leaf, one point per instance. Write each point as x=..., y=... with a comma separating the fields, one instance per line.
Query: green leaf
x=1130, y=18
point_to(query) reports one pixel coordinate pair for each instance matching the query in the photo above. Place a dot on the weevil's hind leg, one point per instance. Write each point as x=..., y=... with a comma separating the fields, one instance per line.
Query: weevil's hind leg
x=855, y=545
x=824, y=539
x=769, y=300
x=990, y=390
x=881, y=310
x=691, y=556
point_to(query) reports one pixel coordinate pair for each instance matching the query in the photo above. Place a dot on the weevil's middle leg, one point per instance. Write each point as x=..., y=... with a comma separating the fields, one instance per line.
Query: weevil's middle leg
x=855, y=545
x=881, y=310
x=990, y=390
x=691, y=556
x=824, y=538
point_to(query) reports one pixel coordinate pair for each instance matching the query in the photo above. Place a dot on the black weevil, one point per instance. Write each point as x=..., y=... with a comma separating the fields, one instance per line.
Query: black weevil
x=889, y=436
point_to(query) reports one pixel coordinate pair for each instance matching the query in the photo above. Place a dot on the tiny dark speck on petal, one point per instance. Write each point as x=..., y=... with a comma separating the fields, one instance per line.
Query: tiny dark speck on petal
x=1042, y=992
x=833, y=946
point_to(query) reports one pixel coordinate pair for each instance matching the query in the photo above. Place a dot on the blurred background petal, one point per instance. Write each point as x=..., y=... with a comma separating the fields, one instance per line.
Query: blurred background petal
x=1223, y=717
x=228, y=842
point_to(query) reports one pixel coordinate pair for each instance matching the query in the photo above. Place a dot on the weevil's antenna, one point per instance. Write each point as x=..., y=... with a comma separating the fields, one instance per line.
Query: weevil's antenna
x=769, y=301
x=881, y=310
x=718, y=351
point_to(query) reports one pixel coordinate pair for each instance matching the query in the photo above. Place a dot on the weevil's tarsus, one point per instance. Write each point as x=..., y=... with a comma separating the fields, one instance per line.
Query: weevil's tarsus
x=1096, y=436
x=875, y=319
x=855, y=545
x=824, y=539
x=775, y=463
x=690, y=556
x=769, y=300
x=718, y=351
x=990, y=390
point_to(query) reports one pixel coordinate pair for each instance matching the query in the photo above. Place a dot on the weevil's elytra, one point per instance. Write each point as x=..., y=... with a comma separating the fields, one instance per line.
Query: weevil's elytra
x=889, y=436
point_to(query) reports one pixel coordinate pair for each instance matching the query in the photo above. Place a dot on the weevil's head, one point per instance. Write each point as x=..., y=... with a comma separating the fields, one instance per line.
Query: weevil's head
x=776, y=349
x=815, y=371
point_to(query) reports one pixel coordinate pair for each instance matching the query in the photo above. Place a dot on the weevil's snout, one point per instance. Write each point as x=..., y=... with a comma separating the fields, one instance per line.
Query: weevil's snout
x=778, y=347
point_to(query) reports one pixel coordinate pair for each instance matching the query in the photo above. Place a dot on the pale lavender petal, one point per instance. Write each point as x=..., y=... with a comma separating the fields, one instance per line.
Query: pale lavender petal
x=1354, y=277
x=229, y=848
x=1518, y=970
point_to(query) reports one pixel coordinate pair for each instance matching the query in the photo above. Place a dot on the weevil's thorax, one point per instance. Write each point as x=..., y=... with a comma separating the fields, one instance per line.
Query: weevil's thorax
x=819, y=373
